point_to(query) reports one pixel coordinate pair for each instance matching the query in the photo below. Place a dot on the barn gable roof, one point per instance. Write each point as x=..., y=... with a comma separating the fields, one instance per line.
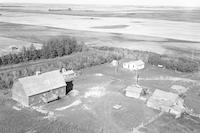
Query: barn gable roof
x=159, y=94
x=134, y=89
x=163, y=98
x=138, y=62
x=37, y=84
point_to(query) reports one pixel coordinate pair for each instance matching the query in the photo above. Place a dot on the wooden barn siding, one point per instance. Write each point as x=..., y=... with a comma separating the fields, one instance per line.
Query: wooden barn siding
x=18, y=94
x=39, y=98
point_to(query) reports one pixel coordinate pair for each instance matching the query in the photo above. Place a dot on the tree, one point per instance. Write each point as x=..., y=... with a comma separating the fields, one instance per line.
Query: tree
x=24, y=54
x=60, y=49
x=15, y=59
x=1, y=62
x=33, y=52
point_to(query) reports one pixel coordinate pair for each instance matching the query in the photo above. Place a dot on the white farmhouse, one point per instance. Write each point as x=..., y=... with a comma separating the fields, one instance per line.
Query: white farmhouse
x=134, y=65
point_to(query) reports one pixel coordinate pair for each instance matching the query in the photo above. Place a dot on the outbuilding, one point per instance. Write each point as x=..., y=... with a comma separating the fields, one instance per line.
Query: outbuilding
x=114, y=63
x=167, y=102
x=40, y=88
x=179, y=89
x=134, y=65
x=133, y=91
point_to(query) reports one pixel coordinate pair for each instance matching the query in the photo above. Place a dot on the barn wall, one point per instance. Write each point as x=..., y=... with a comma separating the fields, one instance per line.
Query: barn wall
x=45, y=97
x=18, y=94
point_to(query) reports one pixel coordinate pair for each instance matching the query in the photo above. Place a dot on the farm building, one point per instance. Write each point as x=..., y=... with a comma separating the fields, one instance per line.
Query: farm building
x=40, y=88
x=134, y=91
x=114, y=63
x=179, y=89
x=167, y=102
x=69, y=77
x=134, y=65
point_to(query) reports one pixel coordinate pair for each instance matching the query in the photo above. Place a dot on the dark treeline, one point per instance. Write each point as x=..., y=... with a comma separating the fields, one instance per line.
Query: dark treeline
x=51, y=49
x=174, y=63
x=76, y=61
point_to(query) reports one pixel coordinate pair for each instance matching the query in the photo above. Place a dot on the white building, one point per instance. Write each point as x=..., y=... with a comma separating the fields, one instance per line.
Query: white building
x=133, y=91
x=134, y=65
x=114, y=63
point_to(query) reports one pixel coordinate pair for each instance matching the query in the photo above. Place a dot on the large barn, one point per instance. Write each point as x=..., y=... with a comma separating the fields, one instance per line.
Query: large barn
x=40, y=88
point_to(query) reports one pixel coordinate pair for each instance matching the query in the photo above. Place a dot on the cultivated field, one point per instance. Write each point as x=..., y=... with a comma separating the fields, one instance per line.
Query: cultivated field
x=149, y=27
x=127, y=27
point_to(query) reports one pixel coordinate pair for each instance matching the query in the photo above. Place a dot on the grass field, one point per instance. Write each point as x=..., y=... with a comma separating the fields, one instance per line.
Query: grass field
x=92, y=109
x=101, y=87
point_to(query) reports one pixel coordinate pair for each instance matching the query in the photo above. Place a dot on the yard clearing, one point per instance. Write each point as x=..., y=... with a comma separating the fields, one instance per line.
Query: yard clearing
x=92, y=109
x=96, y=112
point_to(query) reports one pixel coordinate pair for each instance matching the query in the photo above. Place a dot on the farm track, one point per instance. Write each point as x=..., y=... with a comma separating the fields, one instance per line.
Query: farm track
x=175, y=79
x=142, y=125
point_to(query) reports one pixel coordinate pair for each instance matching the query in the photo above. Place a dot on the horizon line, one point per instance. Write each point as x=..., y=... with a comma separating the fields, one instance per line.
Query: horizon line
x=144, y=5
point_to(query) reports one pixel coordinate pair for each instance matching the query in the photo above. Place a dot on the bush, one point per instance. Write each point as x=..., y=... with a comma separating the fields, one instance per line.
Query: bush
x=173, y=63
x=53, y=48
x=75, y=61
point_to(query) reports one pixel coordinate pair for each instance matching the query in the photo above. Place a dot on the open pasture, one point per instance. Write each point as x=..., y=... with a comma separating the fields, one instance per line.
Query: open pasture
x=91, y=110
x=95, y=111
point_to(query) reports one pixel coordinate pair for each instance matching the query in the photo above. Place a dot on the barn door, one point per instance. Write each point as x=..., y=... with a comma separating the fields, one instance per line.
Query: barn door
x=69, y=87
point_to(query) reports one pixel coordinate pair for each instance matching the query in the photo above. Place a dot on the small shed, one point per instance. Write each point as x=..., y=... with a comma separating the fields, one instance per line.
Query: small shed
x=133, y=91
x=114, y=63
x=39, y=89
x=179, y=89
x=167, y=102
x=134, y=65
x=69, y=75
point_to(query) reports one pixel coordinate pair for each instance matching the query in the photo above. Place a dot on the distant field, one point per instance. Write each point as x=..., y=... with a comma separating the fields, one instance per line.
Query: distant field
x=157, y=29
x=40, y=34
x=111, y=27
x=160, y=13
x=149, y=27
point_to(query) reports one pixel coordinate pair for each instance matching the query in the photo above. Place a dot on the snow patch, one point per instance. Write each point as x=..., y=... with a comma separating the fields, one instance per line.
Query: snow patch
x=97, y=91
x=16, y=108
x=73, y=93
x=75, y=103
x=99, y=74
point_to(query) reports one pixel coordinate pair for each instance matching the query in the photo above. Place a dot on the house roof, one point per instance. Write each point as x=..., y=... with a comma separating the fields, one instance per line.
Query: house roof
x=36, y=84
x=164, y=96
x=69, y=72
x=179, y=88
x=69, y=75
x=138, y=62
x=134, y=89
